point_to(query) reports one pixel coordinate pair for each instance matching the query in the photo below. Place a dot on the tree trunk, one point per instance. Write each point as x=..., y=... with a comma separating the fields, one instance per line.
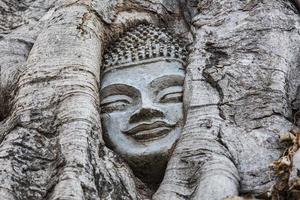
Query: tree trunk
x=243, y=76
x=241, y=94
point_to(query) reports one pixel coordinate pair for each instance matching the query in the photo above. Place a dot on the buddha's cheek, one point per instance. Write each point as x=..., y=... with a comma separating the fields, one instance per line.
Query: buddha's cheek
x=173, y=112
x=113, y=124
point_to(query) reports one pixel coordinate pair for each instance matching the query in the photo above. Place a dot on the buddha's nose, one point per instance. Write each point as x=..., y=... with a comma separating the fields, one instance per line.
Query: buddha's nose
x=146, y=112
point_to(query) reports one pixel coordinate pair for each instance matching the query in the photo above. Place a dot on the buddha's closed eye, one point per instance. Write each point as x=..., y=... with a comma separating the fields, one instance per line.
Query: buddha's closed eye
x=171, y=94
x=115, y=102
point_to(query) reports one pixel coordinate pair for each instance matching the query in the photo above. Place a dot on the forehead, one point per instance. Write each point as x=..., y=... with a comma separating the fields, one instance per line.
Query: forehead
x=142, y=74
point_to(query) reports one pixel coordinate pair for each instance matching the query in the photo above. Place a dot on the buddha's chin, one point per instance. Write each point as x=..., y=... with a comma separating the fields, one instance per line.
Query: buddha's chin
x=150, y=168
x=148, y=156
x=149, y=164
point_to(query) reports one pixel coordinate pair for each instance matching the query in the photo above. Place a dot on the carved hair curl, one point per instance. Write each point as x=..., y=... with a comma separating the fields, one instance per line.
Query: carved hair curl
x=144, y=44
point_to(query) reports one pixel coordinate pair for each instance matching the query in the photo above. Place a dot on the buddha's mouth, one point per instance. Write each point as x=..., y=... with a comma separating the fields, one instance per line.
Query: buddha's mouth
x=150, y=131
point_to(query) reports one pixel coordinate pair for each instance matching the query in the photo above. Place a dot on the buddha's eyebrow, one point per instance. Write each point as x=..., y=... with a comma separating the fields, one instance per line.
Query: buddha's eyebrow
x=167, y=81
x=116, y=89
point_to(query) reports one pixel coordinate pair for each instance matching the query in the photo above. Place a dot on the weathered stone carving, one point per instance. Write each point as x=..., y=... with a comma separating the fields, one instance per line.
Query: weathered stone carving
x=141, y=99
x=242, y=75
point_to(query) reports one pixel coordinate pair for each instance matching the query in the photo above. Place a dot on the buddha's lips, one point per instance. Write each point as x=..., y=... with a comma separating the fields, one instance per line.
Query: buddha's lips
x=152, y=130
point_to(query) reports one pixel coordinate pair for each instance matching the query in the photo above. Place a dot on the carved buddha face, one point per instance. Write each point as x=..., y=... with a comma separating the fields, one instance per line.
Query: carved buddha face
x=142, y=113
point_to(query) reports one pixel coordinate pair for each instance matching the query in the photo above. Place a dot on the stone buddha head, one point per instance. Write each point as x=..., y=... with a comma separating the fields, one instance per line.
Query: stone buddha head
x=141, y=99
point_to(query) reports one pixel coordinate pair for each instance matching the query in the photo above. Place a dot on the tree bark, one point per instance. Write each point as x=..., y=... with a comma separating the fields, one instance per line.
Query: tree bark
x=241, y=94
x=242, y=78
x=51, y=143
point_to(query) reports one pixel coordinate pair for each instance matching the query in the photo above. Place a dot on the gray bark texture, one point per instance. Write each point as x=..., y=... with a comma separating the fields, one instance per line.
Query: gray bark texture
x=241, y=94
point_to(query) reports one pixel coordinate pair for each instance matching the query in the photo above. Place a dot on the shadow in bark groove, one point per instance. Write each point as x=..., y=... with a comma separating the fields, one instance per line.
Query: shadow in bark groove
x=5, y=103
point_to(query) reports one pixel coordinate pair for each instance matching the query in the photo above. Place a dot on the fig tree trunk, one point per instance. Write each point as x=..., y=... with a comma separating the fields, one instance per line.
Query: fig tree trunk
x=241, y=94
